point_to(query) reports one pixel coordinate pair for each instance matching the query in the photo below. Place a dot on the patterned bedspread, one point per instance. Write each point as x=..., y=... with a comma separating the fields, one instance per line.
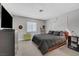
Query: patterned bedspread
x=45, y=41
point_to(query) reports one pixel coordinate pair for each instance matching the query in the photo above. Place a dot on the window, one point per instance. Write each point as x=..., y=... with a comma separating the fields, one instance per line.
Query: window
x=31, y=26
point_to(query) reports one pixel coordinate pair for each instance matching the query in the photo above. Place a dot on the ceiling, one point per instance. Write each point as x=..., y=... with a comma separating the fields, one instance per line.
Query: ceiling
x=43, y=11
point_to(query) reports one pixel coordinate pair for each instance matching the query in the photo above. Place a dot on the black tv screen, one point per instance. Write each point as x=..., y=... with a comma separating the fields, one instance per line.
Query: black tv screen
x=6, y=19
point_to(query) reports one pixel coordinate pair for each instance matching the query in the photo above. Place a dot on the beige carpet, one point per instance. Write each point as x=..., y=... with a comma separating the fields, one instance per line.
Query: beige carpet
x=28, y=48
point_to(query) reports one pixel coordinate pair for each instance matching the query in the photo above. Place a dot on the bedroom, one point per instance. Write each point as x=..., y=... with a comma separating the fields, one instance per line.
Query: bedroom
x=40, y=22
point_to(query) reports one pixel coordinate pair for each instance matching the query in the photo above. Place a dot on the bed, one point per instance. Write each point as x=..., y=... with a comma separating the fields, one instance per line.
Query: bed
x=48, y=42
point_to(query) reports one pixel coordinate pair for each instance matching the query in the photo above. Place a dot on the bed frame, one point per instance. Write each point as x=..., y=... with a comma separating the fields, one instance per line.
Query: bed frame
x=60, y=44
x=57, y=46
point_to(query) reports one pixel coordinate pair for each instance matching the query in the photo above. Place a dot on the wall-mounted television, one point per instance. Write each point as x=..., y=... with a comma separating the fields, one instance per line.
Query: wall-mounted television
x=6, y=19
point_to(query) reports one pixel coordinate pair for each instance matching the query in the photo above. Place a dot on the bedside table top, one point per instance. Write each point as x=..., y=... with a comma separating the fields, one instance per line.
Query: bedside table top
x=74, y=36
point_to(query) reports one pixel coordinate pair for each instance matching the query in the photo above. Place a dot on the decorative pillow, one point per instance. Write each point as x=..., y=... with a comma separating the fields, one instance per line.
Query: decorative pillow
x=61, y=33
x=57, y=33
x=50, y=32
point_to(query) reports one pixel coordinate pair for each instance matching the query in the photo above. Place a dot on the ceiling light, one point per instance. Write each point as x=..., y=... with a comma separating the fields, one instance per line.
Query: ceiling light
x=41, y=10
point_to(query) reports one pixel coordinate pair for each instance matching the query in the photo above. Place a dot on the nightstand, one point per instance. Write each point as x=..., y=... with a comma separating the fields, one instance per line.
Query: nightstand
x=73, y=43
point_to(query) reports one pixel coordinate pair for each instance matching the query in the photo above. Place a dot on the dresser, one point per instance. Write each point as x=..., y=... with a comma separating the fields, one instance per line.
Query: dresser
x=73, y=43
x=7, y=42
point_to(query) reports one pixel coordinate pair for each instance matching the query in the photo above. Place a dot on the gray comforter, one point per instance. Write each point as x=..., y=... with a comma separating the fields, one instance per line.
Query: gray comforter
x=45, y=41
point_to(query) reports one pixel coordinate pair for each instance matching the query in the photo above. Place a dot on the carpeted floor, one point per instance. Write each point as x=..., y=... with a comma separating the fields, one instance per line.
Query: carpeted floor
x=28, y=48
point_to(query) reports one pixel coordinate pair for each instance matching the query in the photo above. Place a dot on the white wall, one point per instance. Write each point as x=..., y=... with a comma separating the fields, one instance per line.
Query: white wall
x=18, y=20
x=69, y=21
x=73, y=22
x=58, y=23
